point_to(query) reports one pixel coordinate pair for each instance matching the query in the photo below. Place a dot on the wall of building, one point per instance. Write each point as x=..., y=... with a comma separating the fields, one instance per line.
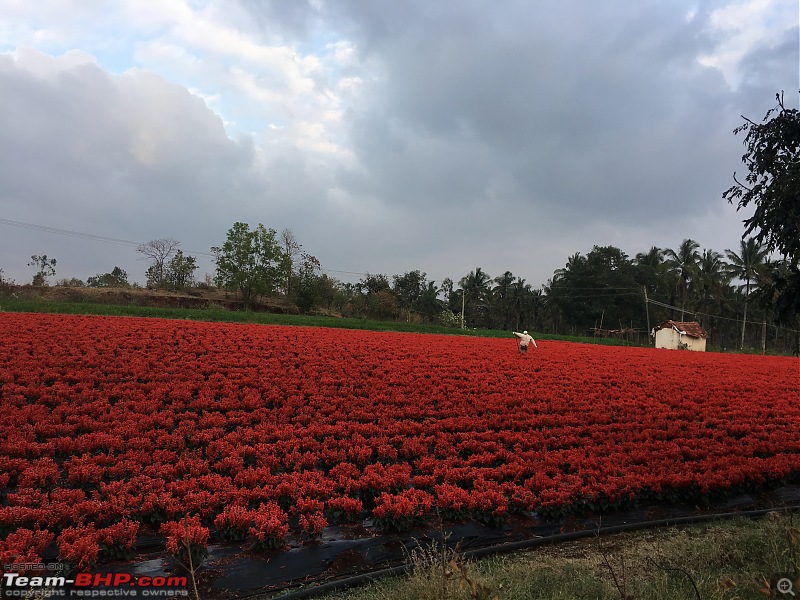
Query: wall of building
x=671, y=339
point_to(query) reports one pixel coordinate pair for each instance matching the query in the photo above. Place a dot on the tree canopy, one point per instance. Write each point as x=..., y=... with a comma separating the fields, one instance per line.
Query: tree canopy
x=45, y=267
x=772, y=186
x=250, y=261
x=116, y=278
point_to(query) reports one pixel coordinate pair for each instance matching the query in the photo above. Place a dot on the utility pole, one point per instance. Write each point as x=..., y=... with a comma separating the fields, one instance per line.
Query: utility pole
x=647, y=310
x=463, y=296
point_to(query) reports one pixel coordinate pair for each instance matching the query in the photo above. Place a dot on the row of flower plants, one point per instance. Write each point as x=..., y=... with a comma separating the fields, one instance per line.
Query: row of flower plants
x=115, y=427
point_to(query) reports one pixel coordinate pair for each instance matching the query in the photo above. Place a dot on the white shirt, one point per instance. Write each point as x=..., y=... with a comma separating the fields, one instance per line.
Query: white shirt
x=525, y=339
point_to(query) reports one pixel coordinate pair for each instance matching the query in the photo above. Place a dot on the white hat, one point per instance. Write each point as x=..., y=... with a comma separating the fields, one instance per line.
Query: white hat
x=525, y=332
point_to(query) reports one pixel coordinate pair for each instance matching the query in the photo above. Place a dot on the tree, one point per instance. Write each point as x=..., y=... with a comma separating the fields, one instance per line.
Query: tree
x=501, y=297
x=772, y=185
x=447, y=289
x=158, y=252
x=777, y=287
x=684, y=265
x=116, y=278
x=372, y=284
x=653, y=273
x=6, y=284
x=72, y=282
x=180, y=271
x=428, y=304
x=595, y=291
x=651, y=269
x=374, y=297
x=45, y=267
x=308, y=285
x=408, y=288
x=519, y=297
x=713, y=285
x=475, y=286
x=749, y=266
x=291, y=248
x=249, y=261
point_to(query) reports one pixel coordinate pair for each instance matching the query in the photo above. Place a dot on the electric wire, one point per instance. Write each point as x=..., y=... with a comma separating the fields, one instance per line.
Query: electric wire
x=695, y=313
x=87, y=236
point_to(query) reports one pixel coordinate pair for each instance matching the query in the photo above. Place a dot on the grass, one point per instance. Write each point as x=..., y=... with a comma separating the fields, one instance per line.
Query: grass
x=263, y=318
x=723, y=560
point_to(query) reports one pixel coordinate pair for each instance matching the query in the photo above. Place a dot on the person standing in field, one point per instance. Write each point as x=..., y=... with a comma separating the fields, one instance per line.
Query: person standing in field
x=523, y=340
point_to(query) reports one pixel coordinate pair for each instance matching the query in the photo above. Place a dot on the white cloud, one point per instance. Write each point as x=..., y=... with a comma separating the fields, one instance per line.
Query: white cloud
x=743, y=27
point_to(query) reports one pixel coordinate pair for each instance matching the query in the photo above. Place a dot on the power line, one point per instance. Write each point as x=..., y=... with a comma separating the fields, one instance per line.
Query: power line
x=119, y=241
x=695, y=312
x=90, y=236
x=603, y=289
x=87, y=236
x=614, y=295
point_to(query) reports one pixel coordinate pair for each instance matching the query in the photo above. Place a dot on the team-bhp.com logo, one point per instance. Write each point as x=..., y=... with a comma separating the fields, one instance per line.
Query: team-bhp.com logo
x=91, y=585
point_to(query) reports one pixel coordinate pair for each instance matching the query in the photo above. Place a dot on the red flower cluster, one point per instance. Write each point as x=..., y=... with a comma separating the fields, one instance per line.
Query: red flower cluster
x=187, y=541
x=270, y=525
x=396, y=512
x=24, y=546
x=109, y=424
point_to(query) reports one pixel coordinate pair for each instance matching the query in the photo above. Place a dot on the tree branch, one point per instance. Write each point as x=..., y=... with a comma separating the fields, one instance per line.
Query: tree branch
x=678, y=570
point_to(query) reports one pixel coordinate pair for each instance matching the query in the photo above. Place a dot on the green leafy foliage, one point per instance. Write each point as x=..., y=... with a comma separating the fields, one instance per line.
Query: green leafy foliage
x=250, y=261
x=772, y=186
x=45, y=267
x=116, y=278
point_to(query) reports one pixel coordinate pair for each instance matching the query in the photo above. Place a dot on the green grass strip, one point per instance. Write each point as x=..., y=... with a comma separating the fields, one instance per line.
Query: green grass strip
x=264, y=318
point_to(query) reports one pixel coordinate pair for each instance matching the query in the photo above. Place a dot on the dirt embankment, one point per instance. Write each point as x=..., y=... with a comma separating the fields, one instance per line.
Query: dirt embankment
x=194, y=298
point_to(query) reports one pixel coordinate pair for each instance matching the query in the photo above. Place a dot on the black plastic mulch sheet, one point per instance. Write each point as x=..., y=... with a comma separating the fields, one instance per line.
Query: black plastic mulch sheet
x=231, y=571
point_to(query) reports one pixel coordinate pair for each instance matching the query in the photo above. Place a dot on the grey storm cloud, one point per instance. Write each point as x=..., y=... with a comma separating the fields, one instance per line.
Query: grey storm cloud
x=506, y=135
x=83, y=136
x=584, y=112
x=127, y=156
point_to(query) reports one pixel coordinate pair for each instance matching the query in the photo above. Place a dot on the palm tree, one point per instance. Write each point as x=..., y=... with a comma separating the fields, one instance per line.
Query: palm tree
x=520, y=296
x=500, y=296
x=538, y=303
x=684, y=264
x=573, y=263
x=713, y=279
x=651, y=271
x=476, y=288
x=749, y=265
x=652, y=258
x=553, y=300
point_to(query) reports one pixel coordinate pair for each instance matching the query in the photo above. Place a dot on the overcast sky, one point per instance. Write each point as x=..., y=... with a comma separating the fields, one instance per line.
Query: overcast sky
x=439, y=135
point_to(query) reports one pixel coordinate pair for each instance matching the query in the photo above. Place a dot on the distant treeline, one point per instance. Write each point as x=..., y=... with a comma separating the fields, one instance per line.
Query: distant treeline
x=605, y=293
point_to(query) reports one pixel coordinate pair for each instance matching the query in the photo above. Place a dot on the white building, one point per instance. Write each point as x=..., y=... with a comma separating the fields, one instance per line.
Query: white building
x=678, y=334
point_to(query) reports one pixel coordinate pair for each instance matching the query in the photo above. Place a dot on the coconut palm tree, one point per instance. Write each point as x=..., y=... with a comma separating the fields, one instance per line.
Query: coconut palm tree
x=476, y=289
x=713, y=278
x=684, y=264
x=501, y=294
x=520, y=299
x=749, y=266
x=553, y=300
x=713, y=281
x=651, y=271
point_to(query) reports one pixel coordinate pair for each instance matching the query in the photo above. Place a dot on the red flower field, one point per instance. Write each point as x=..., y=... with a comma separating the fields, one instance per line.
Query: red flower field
x=110, y=426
